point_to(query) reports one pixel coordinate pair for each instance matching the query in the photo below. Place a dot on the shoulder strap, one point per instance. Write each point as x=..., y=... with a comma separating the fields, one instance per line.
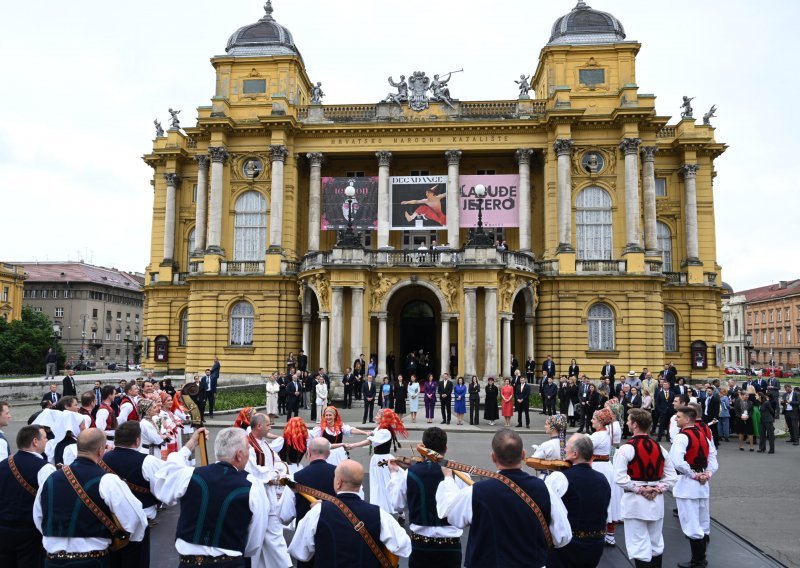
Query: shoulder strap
x=18, y=476
x=133, y=487
x=116, y=531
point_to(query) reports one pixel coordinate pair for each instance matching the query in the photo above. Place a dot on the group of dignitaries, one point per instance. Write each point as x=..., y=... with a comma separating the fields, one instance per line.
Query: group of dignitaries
x=96, y=510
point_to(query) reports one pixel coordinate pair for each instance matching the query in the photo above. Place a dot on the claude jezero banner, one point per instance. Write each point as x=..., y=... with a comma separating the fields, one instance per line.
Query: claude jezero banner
x=500, y=204
x=335, y=205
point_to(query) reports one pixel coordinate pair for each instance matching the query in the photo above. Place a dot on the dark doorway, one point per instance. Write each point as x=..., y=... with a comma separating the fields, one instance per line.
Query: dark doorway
x=418, y=331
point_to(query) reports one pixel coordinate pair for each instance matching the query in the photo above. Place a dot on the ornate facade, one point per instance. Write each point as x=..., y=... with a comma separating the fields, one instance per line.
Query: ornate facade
x=12, y=279
x=613, y=254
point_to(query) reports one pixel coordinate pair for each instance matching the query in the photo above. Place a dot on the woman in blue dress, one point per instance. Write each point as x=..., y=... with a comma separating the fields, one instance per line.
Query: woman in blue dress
x=460, y=398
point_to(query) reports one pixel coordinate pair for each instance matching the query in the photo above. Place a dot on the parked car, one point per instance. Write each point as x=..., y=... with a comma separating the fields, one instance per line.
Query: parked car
x=795, y=372
x=778, y=372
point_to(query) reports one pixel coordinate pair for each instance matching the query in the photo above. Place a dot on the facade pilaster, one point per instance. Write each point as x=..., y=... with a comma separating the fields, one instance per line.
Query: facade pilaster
x=563, y=149
x=172, y=180
x=337, y=329
x=453, y=197
x=278, y=153
x=523, y=156
x=314, y=195
x=219, y=156
x=630, y=148
x=649, y=192
x=490, y=334
x=384, y=161
x=201, y=207
x=470, y=330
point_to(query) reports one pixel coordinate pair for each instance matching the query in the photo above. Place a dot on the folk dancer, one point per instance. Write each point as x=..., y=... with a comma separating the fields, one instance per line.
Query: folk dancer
x=553, y=449
x=333, y=430
x=605, y=439
x=105, y=419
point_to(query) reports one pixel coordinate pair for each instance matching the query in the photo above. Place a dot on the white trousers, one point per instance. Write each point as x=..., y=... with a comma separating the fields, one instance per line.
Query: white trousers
x=644, y=539
x=695, y=517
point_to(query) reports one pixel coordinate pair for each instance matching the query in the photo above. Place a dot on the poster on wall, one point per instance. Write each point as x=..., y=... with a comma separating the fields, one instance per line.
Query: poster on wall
x=418, y=202
x=500, y=205
x=335, y=204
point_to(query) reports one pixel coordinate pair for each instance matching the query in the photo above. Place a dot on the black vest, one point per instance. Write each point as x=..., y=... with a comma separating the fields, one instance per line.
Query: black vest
x=215, y=510
x=587, y=498
x=290, y=455
x=58, y=454
x=318, y=475
x=64, y=514
x=421, y=484
x=497, y=515
x=16, y=504
x=127, y=463
x=337, y=544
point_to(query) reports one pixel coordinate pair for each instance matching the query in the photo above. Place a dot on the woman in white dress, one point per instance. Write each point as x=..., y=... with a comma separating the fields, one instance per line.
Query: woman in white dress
x=382, y=439
x=291, y=447
x=605, y=425
x=272, y=397
x=151, y=438
x=413, y=397
x=333, y=430
x=322, y=396
x=555, y=448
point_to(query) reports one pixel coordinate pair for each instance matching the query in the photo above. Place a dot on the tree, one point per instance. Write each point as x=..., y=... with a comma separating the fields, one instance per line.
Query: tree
x=24, y=343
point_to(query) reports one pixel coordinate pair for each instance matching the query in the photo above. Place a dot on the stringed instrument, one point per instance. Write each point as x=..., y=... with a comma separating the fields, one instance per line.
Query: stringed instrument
x=556, y=465
x=406, y=462
x=187, y=392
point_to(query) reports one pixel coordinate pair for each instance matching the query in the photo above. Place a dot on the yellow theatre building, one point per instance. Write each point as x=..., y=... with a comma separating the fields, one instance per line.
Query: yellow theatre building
x=281, y=223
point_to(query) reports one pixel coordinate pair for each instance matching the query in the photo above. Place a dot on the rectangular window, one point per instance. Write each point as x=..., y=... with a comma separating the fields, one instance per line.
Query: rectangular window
x=45, y=294
x=354, y=174
x=94, y=313
x=763, y=317
x=108, y=314
x=771, y=337
x=592, y=77
x=94, y=335
x=729, y=354
x=764, y=342
x=771, y=316
x=738, y=353
x=38, y=309
x=128, y=318
x=117, y=352
x=136, y=337
x=68, y=294
x=254, y=86
x=136, y=318
x=59, y=313
x=108, y=352
x=34, y=294
x=727, y=329
x=735, y=326
x=119, y=316
x=5, y=293
x=661, y=187
x=780, y=314
x=485, y=172
x=420, y=173
x=118, y=337
x=108, y=336
x=55, y=294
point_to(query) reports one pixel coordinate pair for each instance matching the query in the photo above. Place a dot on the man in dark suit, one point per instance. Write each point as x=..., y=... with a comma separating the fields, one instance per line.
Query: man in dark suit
x=549, y=393
x=664, y=397
x=368, y=391
x=669, y=373
x=773, y=386
x=52, y=396
x=445, y=391
x=302, y=361
x=530, y=369
x=609, y=371
x=211, y=394
x=203, y=390
x=68, y=383
x=361, y=363
x=680, y=388
x=710, y=407
x=791, y=412
x=549, y=366
x=522, y=396
x=347, y=383
x=294, y=392
x=514, y=364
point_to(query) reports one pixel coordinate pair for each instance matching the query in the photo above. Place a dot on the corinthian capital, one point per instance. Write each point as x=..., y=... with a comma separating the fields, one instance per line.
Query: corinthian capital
x=453, y=157
x=689, y=170
x=649, y=153
x=523, y=155
x=202, y=161
x=315, y=158
x=278, y=152
x=172, y=179
x=630, y=145
x=218, y=154
x=563, y=146
x=384, y=158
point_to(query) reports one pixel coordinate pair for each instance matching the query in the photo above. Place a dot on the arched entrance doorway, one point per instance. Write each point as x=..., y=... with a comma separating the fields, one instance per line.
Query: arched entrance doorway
x=418, y=331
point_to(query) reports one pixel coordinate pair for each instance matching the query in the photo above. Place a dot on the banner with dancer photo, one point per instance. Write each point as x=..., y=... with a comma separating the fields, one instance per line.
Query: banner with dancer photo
x=418, y=202
x=500, y=205
x=335, y=204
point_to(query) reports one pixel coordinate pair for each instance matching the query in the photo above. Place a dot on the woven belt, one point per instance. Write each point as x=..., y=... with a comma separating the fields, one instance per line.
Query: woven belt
x=63, y=555
x=586, y=535
x=451, y=541
x=204, y=560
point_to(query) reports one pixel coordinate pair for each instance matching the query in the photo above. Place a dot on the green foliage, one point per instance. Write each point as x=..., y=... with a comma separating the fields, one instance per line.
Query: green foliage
x=230, y=399
x=24, y=343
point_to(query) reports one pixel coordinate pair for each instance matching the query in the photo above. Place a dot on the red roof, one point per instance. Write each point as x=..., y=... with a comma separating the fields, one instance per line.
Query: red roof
x=80, y=272
x=772, y=292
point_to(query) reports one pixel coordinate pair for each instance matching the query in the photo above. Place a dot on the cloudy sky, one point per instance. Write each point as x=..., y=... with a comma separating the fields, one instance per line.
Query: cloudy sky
x=83, y=81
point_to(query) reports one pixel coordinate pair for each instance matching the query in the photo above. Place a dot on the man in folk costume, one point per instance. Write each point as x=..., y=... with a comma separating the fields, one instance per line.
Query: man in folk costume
x=326, y=531
x=127, y=404
x=105, y=419
x=586, y=494
x=98, y=497
x=645, y=472
x=695, y=458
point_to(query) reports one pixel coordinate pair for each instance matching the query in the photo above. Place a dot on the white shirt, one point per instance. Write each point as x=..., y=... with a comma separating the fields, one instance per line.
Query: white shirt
x=673, y=427
x=150, y=467
x=549, y=450
x=398, y=491
x=125, y=410
x=4, y=449
x=118, y=497
x=100, y=420
x=635, y=506
x=393, y=536
x=171, y=484
x=150, y=437
x=686, y=486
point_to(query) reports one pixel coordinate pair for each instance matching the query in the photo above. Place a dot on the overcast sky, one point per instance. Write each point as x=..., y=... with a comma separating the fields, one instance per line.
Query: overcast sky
x=83, y=81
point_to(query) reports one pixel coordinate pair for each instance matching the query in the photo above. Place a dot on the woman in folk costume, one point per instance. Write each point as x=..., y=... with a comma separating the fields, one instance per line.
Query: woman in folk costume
x=605, y=426
x=182, y=425
x=382, y=439
x=291, y=447
x=615, y=428
x=333, y=430
x=243, y=419
x=555, y=448
x=152, y=439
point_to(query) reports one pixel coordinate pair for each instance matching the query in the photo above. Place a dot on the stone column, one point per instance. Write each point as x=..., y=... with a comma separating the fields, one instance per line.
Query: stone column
x=523, y=156
x=384, y=159
x=649, y=191
x=382, y=343
x=470, y=331
x=356, y=322
x=323, y=340
x=630, y=148
x=506, y=370
x=490, y=335
x=337, y=329
x=444, y=346
x=201, y=207
x=689, y=172
x=218, y=157
x=314, y=205
x=307, y=335
x=278, y=153
x=172, y=180
x=530, y=347
x=563, y=149
x=453, y=197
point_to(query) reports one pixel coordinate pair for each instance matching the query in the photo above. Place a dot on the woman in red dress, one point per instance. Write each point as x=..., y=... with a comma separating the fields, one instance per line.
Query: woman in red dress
x=507, y=394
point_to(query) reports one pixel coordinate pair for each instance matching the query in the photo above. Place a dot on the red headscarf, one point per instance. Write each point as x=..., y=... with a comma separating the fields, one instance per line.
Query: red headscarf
x=243, y=420
x=391, y=421
x=295, y=434
x=177, y=404
x=337, y=419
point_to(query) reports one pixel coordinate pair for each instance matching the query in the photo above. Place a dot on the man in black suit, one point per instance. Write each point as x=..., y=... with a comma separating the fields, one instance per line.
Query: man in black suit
x=522, y=396
x=368, y=391
x=294, y=392
x=680, y=387
x=361, y=363
x=347, y=383
x=530, y=369
x=445, y=391
x=791, y=412
x=68, y=383
x=549, y=393
x=664, y=397
x=773, y=386
x=711, y=406
x=52, y=396
x=609, y=371
x=549, y=366
x=302, y=361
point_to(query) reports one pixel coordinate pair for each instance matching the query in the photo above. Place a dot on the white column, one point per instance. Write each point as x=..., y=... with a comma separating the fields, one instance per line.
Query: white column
x=172, y=180
x=444, y=346
x=506, y=370
x=490, y=333
x=649, y=191
x=689, y=172
x=382, y=343
x=453, y=197
x=470, y=331
x=278, y=153
x=201, y=206
x=218, y=157
x=323, y=340
x=314, y=205
x=523, y=156
x=307, y=335
x=384, y=159
x=356, y=322
x=630, y=148
x=563, y=149
x=337, y=329
x=529, y=344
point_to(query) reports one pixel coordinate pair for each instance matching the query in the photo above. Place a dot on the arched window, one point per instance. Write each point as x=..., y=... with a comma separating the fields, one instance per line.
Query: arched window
x=670, y=332
x=242, y=317
x=190, y=244
x=250, y=227
x=184, y=341
x=664, y=245
x=601, y=328
x=593, y=224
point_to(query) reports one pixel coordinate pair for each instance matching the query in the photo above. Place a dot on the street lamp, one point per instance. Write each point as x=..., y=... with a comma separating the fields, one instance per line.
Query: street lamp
x=349, y=239
x=127, y=346
x=748, y=346
x=481, y=238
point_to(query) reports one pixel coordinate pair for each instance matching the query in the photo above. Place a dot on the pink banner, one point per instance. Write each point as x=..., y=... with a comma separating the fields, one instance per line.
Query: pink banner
x=499, y=205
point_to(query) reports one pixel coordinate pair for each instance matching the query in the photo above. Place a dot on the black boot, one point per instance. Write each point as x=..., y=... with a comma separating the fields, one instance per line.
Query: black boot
x=642, y=564
x=656, y=561
x=698, y=554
